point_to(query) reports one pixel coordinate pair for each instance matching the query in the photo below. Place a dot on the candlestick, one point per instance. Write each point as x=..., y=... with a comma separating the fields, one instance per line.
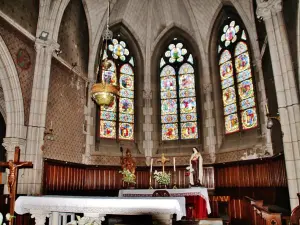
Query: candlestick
x=267, y=109
x=174, y=164
x=151, y=164
x=174, y=180
x=150, y=181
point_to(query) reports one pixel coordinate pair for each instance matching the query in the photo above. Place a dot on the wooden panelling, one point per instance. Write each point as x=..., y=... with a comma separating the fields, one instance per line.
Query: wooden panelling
x=62, y=177
x=260, y=173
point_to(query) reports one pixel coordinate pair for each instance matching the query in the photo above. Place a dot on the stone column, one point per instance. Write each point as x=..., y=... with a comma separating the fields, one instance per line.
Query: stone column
x=37, y=116
x=209, y=122
x=147, y=93
x=40, y=216
x=10, y=144
x=287, y=97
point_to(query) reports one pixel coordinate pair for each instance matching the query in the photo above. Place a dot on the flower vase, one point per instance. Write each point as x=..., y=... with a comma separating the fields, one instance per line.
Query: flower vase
x=129, y=185
x=163, y=186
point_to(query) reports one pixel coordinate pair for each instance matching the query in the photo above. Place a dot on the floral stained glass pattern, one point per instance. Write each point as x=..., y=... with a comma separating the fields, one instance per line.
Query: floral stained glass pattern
x=236, y=80
x=175, y=52
x=118, y=50
x=230, y=33
x=178, y=95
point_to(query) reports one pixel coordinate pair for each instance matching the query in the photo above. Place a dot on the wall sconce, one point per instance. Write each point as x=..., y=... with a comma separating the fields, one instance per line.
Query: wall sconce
x=48, y=135
x=44, y=35
x=271, y=118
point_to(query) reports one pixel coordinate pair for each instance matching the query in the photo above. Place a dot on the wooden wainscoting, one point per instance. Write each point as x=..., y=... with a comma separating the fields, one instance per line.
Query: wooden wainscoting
x=70, y=178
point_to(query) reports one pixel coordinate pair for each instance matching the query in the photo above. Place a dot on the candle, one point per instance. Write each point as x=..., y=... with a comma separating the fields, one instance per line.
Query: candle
x=51, y=125
x=267, y=109
x=151, y=165
x=174, y=164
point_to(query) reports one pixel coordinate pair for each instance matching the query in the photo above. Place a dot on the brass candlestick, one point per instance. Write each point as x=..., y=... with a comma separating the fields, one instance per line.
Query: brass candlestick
x=174, y=180
x=150, y=181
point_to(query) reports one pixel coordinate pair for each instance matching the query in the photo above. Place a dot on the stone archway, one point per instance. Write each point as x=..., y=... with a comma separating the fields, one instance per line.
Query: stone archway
x=14, y=107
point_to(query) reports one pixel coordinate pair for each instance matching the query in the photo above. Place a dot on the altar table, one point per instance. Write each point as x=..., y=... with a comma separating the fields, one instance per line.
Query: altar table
x=97, y=207
x=196, y=196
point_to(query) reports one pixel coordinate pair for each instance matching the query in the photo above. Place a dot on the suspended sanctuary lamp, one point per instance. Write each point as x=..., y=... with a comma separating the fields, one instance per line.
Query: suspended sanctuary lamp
x=103, y=93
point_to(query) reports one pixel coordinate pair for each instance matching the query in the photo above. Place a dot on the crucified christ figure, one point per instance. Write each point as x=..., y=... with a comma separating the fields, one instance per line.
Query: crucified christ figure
x=12, y=174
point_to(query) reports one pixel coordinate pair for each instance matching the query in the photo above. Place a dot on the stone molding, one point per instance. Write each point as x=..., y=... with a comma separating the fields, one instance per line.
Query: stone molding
x=266, y=8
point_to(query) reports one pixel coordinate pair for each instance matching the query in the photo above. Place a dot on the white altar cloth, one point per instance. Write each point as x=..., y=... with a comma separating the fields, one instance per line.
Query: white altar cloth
x=180, y=192
x=101, y=205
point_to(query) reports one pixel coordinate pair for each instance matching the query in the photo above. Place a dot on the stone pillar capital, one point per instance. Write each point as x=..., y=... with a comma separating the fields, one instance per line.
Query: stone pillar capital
x=40, y=216
x=266, y=7
x=147, y=94
x=207, y=88
x=50, y=45
x=10, y=143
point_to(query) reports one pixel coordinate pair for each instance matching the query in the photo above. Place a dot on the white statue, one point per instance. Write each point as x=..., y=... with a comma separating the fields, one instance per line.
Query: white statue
x=196, y=168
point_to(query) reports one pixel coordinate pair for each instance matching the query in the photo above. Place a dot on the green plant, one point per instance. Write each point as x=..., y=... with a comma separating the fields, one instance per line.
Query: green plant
x=162, y=177
x=7, y=217
x=128, y=176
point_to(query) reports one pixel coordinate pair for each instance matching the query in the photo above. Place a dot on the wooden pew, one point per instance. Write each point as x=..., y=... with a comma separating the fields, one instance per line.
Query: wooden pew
x=260, y=214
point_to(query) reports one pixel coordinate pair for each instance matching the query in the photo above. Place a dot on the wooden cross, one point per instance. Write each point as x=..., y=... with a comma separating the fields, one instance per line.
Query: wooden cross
x=13, y=178
x=163, y=161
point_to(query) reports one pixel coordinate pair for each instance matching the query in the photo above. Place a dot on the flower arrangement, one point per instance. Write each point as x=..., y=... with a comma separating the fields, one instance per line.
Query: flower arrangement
x=128, y=176
x=162, y=177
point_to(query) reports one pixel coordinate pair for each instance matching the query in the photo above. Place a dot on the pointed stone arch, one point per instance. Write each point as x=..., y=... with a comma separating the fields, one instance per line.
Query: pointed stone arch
x=157, y=49
x=235, y=9
x=14, y=107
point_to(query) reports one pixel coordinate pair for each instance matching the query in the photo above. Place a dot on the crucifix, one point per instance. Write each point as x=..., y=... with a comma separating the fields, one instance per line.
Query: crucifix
x=163, y=161
x=13, y=166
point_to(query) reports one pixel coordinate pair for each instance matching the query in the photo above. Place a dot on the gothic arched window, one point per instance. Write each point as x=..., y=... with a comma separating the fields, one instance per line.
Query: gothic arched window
x=117, y=119
x=177, y=93
x=238, y=93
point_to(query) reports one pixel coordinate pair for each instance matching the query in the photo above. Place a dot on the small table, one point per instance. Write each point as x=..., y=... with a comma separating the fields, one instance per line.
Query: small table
x=196, y=196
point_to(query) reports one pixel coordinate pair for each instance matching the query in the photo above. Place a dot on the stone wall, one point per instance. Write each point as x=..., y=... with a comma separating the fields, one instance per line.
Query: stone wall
x=23, y=12
x=66, y=111
x=73, y=36
x=23, y=54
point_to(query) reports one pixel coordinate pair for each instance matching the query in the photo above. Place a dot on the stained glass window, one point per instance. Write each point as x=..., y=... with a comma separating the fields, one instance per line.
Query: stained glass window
x=236, y=79
x=177, y=94
x=117, y=119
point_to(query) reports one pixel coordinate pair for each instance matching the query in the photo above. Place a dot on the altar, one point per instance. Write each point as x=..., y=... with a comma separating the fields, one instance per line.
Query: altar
x=196, y=197
x=96, y=208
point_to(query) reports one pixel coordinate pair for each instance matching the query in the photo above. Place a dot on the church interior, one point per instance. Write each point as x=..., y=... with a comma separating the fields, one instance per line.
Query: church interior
x=141, y=112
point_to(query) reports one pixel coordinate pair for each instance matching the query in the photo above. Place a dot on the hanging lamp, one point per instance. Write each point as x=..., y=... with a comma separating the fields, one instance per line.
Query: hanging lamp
x=103, y=93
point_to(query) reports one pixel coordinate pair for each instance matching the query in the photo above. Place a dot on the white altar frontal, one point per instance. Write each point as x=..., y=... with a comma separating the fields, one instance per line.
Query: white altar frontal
x=180, y=192
x=57, y=208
